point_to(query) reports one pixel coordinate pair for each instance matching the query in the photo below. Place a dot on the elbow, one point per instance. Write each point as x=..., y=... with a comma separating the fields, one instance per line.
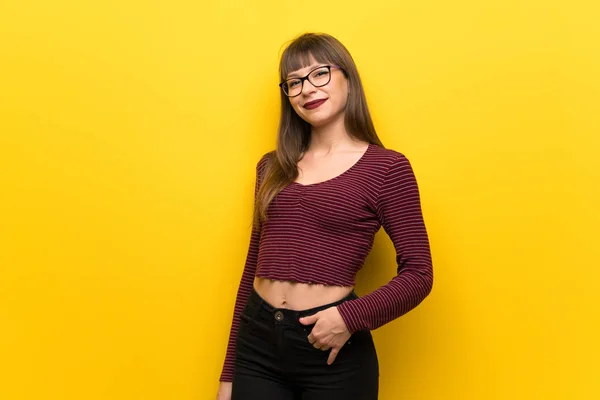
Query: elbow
x=426, y=283
x=420, y=276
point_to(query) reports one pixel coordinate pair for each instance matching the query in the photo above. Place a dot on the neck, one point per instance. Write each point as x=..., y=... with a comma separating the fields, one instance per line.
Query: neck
x=331, y=137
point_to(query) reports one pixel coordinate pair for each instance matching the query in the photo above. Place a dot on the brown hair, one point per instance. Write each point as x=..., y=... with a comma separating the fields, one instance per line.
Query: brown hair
x=293, y=137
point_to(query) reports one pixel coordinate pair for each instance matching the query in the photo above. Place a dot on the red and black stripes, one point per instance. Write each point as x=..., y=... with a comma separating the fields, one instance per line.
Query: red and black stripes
x=323, y=232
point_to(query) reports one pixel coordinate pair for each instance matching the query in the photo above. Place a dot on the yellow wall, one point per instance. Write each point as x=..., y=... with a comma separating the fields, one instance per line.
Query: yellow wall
x=129, y=132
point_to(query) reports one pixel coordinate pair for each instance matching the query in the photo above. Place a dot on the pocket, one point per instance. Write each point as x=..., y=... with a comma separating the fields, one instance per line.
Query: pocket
x=307, y=329
x=362, y=339
x=246, y=318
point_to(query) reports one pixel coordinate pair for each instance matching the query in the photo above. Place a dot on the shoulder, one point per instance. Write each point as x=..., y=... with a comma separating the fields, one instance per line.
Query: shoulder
x=264, y=161
x=387, y=158
x=265, y=158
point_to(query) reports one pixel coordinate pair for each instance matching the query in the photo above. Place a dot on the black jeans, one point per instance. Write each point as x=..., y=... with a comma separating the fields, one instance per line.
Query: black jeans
x=275, y=361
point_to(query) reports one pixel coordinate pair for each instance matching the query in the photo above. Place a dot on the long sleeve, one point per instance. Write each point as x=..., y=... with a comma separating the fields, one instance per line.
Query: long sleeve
x=245, y=286
x=399, y=212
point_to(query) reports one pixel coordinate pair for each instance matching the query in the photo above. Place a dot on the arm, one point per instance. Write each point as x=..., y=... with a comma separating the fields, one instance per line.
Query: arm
x=399, y=211
x=245, y=287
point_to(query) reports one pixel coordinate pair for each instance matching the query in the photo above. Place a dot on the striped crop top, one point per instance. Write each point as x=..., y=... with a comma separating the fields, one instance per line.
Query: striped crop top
x=323, y=232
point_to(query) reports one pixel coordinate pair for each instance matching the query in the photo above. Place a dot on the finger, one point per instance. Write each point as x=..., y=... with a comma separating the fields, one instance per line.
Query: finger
x=317, y=345
x=325, y=348
x=332, y=355
x=311, y=319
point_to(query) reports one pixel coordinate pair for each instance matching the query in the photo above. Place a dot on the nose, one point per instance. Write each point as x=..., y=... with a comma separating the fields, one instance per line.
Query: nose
x=308, y=87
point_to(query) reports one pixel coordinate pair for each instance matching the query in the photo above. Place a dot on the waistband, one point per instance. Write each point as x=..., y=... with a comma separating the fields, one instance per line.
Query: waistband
x=283, y=315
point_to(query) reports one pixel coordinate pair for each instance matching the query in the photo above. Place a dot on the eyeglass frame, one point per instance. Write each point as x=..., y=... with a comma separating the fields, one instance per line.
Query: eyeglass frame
x=305, y=78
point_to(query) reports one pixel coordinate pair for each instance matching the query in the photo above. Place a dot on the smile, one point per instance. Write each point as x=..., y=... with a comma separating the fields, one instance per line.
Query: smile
x=315, y=104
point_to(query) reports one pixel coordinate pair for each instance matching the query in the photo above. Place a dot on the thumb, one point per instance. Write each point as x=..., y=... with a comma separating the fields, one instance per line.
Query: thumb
x=311, y=319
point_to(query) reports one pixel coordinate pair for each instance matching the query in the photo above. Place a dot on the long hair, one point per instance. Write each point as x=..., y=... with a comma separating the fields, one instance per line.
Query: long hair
x=294, y=134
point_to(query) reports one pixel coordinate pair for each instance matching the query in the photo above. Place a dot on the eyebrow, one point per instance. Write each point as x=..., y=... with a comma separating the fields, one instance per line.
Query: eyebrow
x=310, y=68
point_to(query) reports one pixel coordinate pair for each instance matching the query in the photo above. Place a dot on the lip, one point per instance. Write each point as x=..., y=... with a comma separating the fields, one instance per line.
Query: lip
x=314, y=104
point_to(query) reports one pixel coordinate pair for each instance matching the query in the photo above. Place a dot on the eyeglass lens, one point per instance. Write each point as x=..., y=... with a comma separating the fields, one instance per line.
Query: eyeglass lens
x=318, y=77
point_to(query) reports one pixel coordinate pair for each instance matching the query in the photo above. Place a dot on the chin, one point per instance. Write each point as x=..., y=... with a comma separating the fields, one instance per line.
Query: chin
x=317, y=122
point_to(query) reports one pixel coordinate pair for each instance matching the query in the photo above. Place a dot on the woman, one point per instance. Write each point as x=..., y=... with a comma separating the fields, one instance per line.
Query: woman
x=299, y=331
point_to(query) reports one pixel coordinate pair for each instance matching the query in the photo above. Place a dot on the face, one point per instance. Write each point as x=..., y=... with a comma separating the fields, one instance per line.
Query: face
x=334, y=94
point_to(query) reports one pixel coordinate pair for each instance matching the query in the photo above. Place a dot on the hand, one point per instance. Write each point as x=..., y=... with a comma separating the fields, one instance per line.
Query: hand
x=329, y=332
x=224, y=392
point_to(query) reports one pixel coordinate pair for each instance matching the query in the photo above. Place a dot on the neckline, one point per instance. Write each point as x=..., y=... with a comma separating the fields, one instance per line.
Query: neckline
x=362, y=157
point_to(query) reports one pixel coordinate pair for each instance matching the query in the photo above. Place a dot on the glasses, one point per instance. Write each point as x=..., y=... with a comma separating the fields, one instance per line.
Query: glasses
x=318, y=77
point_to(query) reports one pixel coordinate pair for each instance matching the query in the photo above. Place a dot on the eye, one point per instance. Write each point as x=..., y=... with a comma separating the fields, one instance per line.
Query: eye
x=293, y=83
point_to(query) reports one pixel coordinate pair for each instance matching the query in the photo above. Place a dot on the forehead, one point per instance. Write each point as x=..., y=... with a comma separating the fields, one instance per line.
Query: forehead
x=304, y=71
x=302, y=66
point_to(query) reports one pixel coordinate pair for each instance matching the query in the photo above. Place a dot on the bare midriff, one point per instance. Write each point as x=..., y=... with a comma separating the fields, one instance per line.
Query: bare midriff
x=298, y=296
